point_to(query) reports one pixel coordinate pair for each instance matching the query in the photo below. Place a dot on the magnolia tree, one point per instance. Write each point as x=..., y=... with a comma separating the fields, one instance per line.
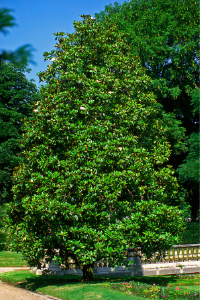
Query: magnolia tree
x=94, y=181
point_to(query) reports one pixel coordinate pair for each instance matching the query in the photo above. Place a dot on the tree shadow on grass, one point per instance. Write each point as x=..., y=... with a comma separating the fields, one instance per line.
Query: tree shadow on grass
x=36, y=282
x=33, y=282
x=165, y=280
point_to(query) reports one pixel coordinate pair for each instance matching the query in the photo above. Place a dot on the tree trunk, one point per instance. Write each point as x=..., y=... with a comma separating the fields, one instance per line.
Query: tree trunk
x=88, y=273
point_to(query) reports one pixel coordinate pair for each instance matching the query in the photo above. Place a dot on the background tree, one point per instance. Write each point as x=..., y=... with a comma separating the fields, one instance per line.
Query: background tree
x=23, y=53
x=11, y=112
x=94, y=179
x=16, y=96
x=189, y=170
x=165, y=35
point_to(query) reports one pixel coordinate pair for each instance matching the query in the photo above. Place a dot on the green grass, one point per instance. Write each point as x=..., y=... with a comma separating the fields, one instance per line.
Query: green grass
x=84, y=292
x=12, y=259
x=70, y=287
x=170, y=280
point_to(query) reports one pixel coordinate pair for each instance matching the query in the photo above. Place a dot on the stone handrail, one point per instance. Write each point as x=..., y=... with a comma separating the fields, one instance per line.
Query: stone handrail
x=179, y=259
x=178, y=253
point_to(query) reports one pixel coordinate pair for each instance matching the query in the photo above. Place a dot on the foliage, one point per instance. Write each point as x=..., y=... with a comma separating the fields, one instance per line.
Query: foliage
x=189, y=170
x=94, y=179
x=195, y=100
x=3, y=235
x=23, y=53
x=191, y=234
x=16, y=96
x=3, y=239
x=165, y=36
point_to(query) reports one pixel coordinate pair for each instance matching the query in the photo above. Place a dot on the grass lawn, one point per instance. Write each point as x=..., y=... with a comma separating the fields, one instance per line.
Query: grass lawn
x=12, y=259
x=70, y=287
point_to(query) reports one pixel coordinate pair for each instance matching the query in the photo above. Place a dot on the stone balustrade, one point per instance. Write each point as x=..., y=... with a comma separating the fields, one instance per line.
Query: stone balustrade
x=179, y=259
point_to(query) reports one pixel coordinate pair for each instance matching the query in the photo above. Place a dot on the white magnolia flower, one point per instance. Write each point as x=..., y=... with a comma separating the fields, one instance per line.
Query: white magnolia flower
x=35, y=110
x=120, y=148
x=82, y=108
x=53, y=59
x=110, y=92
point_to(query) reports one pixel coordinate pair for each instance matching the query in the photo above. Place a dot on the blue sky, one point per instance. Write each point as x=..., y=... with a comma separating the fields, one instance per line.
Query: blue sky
x=37, y=20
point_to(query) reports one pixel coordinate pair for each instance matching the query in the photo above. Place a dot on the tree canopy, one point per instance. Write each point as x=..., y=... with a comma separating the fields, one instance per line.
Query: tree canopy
x=189, y=170
x=164, y=34
x=16, y=96
x=94, y=179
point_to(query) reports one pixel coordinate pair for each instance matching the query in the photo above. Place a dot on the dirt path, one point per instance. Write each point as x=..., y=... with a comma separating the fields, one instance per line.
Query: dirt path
x=10, y=292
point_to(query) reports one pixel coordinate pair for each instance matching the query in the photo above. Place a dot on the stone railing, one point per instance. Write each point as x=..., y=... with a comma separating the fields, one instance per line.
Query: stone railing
x=179, y=259
x=178, y=253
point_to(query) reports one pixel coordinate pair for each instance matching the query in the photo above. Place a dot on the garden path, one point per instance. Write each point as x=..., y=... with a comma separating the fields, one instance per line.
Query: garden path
x=10, y=292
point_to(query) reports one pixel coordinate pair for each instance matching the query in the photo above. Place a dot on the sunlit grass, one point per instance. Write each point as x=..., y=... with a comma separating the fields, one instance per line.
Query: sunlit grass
x=12, y=259
x=67, y=287
x=70, y=287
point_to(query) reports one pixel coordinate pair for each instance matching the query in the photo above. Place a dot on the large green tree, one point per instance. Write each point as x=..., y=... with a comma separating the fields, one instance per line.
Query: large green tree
x=164, y=34
x=16, y=96
x=94, y=180
x=189, y=170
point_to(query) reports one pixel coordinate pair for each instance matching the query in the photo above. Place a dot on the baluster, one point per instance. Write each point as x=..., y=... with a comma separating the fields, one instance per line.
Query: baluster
x=187, y=253
x=183, y=254
x=178, y=251
x=173, y=254
x=168, y=253
x=192, y=253
x=166, y=256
